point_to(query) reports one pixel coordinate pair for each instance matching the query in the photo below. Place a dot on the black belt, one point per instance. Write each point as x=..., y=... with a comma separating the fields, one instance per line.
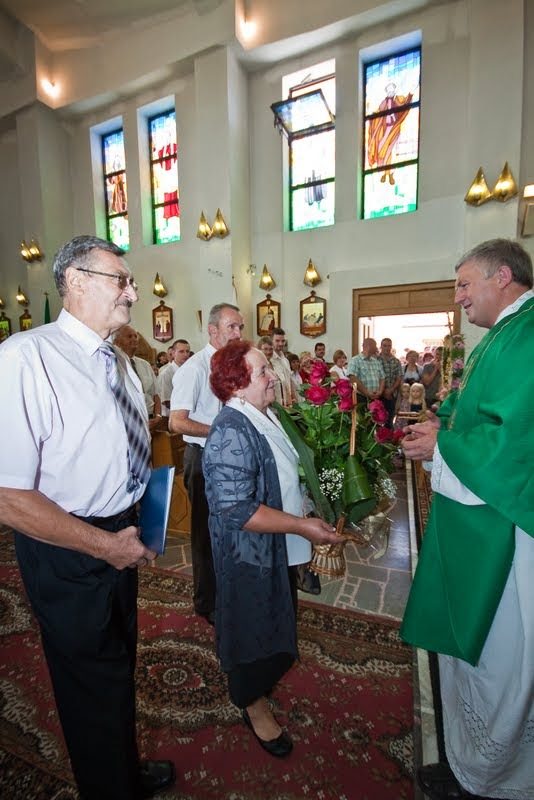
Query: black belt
x=114, y=523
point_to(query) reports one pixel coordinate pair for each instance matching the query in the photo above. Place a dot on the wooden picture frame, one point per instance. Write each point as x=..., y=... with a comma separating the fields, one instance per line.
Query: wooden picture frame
x=25, y=321
x=268, y=316
x=5, y=327
x=162, y=325
x=313, y=316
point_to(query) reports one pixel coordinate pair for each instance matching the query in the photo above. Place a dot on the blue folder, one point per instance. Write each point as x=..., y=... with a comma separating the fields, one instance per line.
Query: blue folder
x=155, y=507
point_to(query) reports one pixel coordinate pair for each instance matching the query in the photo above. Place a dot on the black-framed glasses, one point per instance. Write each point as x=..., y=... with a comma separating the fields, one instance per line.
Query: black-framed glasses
x=123, y=280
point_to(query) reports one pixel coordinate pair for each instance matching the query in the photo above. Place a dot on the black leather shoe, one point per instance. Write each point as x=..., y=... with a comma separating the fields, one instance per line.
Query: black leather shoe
x=438, y=782
x=279, y=747
x=156, y=776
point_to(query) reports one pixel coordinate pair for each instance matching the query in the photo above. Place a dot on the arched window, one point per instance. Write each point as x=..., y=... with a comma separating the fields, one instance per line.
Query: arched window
x=307, y=119
x=113, y=159
x=391, y=134
x=164, y=177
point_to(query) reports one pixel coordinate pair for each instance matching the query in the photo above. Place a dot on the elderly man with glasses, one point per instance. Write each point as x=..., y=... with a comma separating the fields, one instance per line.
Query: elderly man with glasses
x=75, y=461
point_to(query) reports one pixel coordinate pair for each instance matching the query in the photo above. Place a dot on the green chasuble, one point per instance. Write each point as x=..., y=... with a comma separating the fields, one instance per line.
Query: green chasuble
x=487, y=440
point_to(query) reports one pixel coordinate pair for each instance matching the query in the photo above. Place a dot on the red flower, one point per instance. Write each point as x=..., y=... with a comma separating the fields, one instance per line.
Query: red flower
x=397, y=435
x=378, y=412
x=318, y=373
x=383, y=435
x=343, y=388
x=345, y=404
x=318, y=395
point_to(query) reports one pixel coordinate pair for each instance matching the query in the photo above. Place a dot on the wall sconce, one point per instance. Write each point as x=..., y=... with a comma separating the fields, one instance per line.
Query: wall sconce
x=31, y=252
x=21, y=298
x=2, y=304
x=251, y=270
x=506, y=187
x=204, y=230
x=266, y=281
x=527, y=226
x=159, y=287
x=478, y=193
x=220, y=228
x=311, y=276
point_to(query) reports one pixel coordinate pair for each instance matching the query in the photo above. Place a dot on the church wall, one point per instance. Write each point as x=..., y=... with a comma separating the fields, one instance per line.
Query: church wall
x=231, y=157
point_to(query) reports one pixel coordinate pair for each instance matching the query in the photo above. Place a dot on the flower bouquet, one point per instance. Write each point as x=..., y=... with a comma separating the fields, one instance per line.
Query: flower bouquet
x=452, y=363
x=346, y=455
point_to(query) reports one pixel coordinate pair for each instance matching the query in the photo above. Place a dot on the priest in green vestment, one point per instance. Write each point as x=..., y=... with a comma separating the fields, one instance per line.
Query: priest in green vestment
x=472, y=599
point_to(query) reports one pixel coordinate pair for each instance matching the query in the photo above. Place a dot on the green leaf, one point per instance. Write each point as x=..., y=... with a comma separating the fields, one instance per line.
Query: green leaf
x=307, y=463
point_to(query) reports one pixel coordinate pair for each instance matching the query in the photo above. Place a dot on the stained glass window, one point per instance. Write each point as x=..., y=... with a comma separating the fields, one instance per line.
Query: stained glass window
x=391, y=135
x=117, y=229
x=312, y=149
x=164, y=178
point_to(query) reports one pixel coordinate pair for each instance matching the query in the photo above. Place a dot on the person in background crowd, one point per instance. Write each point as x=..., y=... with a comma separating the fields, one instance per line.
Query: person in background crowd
x=472, y=598
x=127, y=339
x=339, y=367
x=180, y=353
x=367, y=372
x=412, y=371
x=294, y=363
x=393, y=378
x=193, y=409
x=75, y=462
x=306, y=363
x=431, y=378
x=162, y=358
x=285, y=392
x=257, y=530
x=320, y=351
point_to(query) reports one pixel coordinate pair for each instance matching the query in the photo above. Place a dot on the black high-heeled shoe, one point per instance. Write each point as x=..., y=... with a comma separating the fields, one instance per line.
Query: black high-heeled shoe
x=279, y=747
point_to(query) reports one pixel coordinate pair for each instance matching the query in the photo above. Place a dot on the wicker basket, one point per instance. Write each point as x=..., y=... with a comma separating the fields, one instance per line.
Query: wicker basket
x=373, y=531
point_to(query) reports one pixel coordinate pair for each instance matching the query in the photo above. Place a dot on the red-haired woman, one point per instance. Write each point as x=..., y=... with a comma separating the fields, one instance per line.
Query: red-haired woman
x=255, y=503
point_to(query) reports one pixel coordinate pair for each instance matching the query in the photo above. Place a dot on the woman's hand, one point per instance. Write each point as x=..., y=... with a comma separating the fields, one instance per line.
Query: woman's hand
x=318, y=532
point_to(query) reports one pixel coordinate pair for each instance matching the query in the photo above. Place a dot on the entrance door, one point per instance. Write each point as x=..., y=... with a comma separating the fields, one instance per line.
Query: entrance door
x=436, y=299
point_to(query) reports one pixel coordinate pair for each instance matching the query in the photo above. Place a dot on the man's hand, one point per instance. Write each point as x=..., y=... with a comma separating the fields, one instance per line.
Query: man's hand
x=127, y=550
x=420, y=440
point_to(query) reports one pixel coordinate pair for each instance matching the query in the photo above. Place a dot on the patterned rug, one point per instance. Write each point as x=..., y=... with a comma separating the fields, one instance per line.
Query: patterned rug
x=347, y=704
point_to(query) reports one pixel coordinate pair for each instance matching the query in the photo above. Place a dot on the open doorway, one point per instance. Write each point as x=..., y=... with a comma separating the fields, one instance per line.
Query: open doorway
x=415, y=316
x=421, y=332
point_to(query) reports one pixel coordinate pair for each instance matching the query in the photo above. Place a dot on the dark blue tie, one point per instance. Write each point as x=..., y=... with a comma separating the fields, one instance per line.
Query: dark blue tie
x=138, y=444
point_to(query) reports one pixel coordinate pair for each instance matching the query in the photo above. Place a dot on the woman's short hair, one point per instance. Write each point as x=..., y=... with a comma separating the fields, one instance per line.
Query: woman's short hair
x=338, y=354
x=229, y=369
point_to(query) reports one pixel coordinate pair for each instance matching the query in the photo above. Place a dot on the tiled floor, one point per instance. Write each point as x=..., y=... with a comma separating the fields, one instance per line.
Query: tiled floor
x=377, y=579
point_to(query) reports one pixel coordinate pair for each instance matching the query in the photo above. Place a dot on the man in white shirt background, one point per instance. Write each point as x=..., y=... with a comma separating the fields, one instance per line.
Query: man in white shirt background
x=284, y=389
x=180, y=352
x=128, y=340
x=193, y=409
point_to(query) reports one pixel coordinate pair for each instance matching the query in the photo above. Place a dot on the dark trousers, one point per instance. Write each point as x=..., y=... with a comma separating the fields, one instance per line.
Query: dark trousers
x=201, y=556
x=87, y=613
x=389, y=405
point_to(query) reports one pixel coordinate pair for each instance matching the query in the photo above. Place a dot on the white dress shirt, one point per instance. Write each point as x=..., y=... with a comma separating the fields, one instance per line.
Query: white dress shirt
x=164, y=385
x=148, y=381
x=191, y=391
x=61, y=429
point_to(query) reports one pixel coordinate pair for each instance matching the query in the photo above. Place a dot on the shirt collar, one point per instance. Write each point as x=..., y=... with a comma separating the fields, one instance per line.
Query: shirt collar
x=85, y=337
x=516, y=305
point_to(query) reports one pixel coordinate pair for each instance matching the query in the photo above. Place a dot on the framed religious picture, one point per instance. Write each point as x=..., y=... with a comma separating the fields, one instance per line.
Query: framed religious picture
x=25, y=320
x=267, y=316
x=162, y=329
x=5, y=327
x=313, y=315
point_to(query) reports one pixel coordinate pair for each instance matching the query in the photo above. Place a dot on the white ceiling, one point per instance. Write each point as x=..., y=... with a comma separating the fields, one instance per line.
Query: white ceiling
x=74, y=24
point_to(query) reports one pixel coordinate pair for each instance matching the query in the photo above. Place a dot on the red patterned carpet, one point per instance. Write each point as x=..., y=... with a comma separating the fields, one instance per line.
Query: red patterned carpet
x=347, y=703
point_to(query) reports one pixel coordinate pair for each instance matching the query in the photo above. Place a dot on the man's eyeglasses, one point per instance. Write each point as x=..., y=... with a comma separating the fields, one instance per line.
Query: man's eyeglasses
x=123, y=280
